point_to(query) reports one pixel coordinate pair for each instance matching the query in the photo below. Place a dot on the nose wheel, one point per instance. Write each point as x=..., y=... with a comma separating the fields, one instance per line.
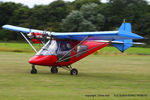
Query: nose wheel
x=33, y=70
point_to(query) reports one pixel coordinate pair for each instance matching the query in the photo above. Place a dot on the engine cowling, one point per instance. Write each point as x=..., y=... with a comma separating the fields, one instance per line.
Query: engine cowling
x=36, y=37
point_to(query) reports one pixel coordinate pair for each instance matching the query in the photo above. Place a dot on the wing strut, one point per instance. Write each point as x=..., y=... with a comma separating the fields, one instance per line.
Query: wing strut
x=28, y=42
x=81, y=52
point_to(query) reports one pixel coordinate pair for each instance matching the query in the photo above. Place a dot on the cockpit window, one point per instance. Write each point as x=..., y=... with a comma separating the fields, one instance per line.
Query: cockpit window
x=63, y=50
x=65, y=46
x=49, y=48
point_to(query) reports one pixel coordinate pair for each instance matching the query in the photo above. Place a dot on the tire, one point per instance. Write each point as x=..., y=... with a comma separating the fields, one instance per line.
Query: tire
x=33, y=71
x=74, y=71
x=54, y=70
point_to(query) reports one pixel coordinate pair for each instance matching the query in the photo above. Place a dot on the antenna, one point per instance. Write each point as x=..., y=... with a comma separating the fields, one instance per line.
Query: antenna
x=124, y=20
x=30, y=23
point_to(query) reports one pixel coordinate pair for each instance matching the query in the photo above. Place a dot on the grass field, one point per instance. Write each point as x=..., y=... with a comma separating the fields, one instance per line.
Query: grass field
x=17, y=47
x=98, y=75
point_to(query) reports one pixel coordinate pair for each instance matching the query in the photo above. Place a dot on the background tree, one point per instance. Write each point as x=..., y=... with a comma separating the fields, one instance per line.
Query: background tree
x=87, y=19
x=75, y=22
x=78, y=3
x=91, y=12
x=50, y=15
x=7, y=10
x=117, y=10
x=10, y=14
x=79, y=15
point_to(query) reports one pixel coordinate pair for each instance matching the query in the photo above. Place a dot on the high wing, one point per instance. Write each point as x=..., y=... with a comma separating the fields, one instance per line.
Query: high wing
x=121, y=39
x=20, y=29
x=123, y=33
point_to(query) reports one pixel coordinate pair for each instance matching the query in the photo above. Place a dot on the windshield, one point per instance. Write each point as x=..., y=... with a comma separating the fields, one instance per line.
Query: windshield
x=49, y=48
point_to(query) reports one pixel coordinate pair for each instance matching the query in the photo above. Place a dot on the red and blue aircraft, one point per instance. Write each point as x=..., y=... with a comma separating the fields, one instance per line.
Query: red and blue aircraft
x=64, y=49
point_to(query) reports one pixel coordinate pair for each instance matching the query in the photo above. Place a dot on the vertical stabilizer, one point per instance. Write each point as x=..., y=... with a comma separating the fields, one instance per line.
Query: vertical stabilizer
x=125, y=27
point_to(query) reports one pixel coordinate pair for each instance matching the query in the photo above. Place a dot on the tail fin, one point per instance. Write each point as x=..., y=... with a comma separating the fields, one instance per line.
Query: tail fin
x=125, y=29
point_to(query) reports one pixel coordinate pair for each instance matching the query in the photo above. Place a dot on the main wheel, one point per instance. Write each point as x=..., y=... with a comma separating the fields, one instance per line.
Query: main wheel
x=33, y=71
x=74, y=71
x=54, y=70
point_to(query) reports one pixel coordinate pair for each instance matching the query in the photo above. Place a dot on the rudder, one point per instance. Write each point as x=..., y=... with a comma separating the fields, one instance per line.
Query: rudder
x=125, y=27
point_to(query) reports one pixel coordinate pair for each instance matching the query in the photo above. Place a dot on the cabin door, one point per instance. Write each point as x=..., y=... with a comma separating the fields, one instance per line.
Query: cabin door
x=63, y=49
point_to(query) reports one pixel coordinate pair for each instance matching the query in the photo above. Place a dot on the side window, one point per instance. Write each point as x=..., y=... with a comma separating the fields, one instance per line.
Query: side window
x=65, y=46
x=81, y=50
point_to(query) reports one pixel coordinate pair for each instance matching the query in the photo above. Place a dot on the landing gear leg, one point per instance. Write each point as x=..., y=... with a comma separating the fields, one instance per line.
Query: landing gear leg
x=54, y=69
x=73, y=71
x=33, y=70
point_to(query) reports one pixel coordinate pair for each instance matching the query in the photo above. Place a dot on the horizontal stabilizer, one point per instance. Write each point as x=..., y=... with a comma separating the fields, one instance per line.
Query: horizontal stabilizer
x=126, y=31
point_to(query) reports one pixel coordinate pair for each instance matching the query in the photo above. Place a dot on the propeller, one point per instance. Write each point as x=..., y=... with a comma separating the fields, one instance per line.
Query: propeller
x=50, y=35
x=39, y=37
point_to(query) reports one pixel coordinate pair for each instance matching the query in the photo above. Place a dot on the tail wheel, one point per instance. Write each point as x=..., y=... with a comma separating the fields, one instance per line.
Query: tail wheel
x=54, y=70
x=74, y=71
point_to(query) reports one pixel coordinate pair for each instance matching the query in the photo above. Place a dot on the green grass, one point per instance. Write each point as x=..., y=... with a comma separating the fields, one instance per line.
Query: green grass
x=130, y=51
x=17, y=47
x=105, y=74
x=25, y=47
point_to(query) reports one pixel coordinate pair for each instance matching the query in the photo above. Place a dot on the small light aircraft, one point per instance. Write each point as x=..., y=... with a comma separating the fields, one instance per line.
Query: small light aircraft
x=64, y=49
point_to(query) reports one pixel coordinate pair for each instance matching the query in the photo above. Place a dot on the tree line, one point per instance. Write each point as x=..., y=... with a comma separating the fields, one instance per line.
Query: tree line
x=79, y=15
